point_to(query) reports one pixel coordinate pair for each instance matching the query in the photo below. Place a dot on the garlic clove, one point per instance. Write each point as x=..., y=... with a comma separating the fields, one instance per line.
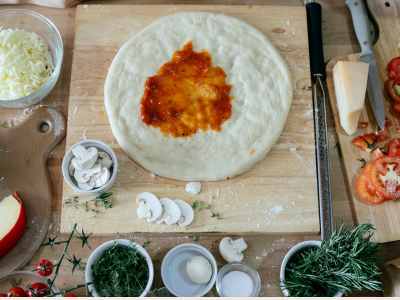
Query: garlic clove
x=171, y=214
x=187, y=216
x=153, y=203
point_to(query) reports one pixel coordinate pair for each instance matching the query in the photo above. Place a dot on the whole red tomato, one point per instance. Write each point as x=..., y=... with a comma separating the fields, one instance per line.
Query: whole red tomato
x=44, y=267
x=16, y=292
x=38, y=289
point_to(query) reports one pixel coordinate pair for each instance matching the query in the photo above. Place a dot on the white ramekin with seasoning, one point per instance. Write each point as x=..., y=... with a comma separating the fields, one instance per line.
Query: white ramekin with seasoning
x=295, y=249
x=101, y=147
x=98, y=252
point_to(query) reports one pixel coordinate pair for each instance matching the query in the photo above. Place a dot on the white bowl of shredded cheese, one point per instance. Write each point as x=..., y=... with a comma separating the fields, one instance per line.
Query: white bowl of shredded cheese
x=31, y=54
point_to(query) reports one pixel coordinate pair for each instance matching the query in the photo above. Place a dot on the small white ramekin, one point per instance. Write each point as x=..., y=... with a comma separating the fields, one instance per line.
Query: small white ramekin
x=100, y=250
x=296, y=248
x=100, y=146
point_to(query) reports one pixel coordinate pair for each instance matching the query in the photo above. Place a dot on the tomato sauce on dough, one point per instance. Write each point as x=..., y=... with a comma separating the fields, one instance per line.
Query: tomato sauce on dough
x=186, y=95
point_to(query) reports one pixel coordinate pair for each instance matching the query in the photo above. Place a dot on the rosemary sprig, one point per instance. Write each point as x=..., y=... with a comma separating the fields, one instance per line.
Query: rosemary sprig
x=347, y=261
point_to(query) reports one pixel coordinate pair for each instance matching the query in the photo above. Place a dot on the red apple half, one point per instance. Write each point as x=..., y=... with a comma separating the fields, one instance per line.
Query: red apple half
x=12, y=222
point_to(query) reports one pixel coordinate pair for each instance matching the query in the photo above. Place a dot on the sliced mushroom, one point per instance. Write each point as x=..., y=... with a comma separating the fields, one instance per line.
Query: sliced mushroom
x=151, y=201
x=84, y=158
x=187, y=213
x=171, y=214
x=84, y=175
x=101, y=178
x=105, y=159
x=193, y=188
x=232, y=250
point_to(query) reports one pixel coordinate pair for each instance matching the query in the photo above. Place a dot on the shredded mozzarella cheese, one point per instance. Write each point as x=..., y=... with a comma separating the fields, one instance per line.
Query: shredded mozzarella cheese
x=25, y=63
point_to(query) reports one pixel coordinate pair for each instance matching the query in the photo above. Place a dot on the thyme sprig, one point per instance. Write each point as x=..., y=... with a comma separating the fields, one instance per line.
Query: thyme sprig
x=346, y=262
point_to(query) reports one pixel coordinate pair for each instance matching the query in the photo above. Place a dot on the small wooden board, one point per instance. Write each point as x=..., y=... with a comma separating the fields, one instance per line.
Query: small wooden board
x=277, y=196
x=23, y=155
x=385, y=217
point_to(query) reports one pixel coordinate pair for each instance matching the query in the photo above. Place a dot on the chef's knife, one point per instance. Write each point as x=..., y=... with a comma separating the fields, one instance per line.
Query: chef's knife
x=365, y=33
x=317, y=66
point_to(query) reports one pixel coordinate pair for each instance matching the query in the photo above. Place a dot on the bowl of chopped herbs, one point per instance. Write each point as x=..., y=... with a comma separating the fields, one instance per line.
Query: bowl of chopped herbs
x=344, y=263
x=119, y=268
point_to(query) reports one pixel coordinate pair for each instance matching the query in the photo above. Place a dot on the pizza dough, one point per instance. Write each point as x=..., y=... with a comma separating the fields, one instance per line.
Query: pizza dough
x=261, y=94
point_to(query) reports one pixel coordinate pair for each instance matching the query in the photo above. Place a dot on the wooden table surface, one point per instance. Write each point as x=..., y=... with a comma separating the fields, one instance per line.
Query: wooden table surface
x=265, y=251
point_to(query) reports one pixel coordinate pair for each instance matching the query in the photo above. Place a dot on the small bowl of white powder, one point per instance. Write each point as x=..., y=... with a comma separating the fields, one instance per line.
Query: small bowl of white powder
x=31, y=54
x=238, y=280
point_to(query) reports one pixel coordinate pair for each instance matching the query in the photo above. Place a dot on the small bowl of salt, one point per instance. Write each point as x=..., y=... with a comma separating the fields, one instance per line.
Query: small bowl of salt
x=238, y=280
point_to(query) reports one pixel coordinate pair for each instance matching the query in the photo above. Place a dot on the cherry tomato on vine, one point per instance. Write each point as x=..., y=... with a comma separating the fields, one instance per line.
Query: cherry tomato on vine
x=16, y=292
x=44, y=267
x=38, y=289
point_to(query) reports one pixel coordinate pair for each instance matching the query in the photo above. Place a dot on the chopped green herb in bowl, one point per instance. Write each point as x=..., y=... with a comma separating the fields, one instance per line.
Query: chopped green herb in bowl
x=119, y=268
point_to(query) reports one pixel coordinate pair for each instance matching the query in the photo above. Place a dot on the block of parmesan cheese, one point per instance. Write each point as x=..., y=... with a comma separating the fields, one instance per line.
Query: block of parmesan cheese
x=350, y=81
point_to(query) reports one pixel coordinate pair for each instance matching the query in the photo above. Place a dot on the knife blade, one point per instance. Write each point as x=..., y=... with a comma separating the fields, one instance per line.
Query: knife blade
x=364, y=30
x=317, y=67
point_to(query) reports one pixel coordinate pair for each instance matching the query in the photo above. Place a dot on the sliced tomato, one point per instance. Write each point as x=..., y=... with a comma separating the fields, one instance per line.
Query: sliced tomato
x=379, y=168
x=394, y=148
x=363, y=192
x=366, y=141
x=377, y=153
x=391, y=91
x=393, y=68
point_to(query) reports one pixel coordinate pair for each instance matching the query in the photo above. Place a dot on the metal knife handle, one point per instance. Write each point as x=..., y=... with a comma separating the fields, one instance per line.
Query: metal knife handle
x=361, y=24
x=314, y=21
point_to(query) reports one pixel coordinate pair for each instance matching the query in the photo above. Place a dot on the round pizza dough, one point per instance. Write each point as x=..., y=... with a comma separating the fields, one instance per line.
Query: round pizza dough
x=261, y=97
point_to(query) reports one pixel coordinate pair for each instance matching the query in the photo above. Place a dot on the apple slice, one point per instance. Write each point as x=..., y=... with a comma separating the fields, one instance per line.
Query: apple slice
x=12, y=222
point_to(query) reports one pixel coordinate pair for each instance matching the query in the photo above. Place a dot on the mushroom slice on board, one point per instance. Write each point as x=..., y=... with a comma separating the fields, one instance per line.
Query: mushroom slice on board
x=172, y=213
x=187, y=213
x=150, y=207
x=232, y=250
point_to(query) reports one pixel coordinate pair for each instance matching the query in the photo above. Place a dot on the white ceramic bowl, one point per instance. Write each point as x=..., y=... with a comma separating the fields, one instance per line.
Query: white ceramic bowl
x=173, y=271
x=296, y=248
x=103, y=247
x=45, y=28
x=100, y=146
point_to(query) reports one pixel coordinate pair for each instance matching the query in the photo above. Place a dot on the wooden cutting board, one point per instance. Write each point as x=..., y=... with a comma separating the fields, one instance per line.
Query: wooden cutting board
x=386, y=216
x=24, y=149
x=277, y=196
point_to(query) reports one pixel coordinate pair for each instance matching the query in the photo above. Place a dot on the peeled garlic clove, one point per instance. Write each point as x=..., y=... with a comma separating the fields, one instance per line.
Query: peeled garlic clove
x=193, y=188
x=187, y=213
x=153, y=203
x=172, y=212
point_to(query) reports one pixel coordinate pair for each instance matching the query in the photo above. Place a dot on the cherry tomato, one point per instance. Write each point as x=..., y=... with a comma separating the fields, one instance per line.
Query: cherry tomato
x=44, y=267
x=3, y=295
x=16, y=292
x=38, y=289
x=69, y=294
x=394, y=148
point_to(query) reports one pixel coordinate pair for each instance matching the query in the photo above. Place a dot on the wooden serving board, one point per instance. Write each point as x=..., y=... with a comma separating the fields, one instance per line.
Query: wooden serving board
x=386, y=216
x=278, y=195
x=24, y=150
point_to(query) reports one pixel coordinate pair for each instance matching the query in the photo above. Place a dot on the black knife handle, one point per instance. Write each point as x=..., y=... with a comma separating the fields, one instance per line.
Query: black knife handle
x=315, y=45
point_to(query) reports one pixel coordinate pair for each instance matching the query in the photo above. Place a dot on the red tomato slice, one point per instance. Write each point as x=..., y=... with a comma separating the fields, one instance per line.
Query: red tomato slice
x=379, y=167
x=393, y=68
x=394, y=148
x=363, y=193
